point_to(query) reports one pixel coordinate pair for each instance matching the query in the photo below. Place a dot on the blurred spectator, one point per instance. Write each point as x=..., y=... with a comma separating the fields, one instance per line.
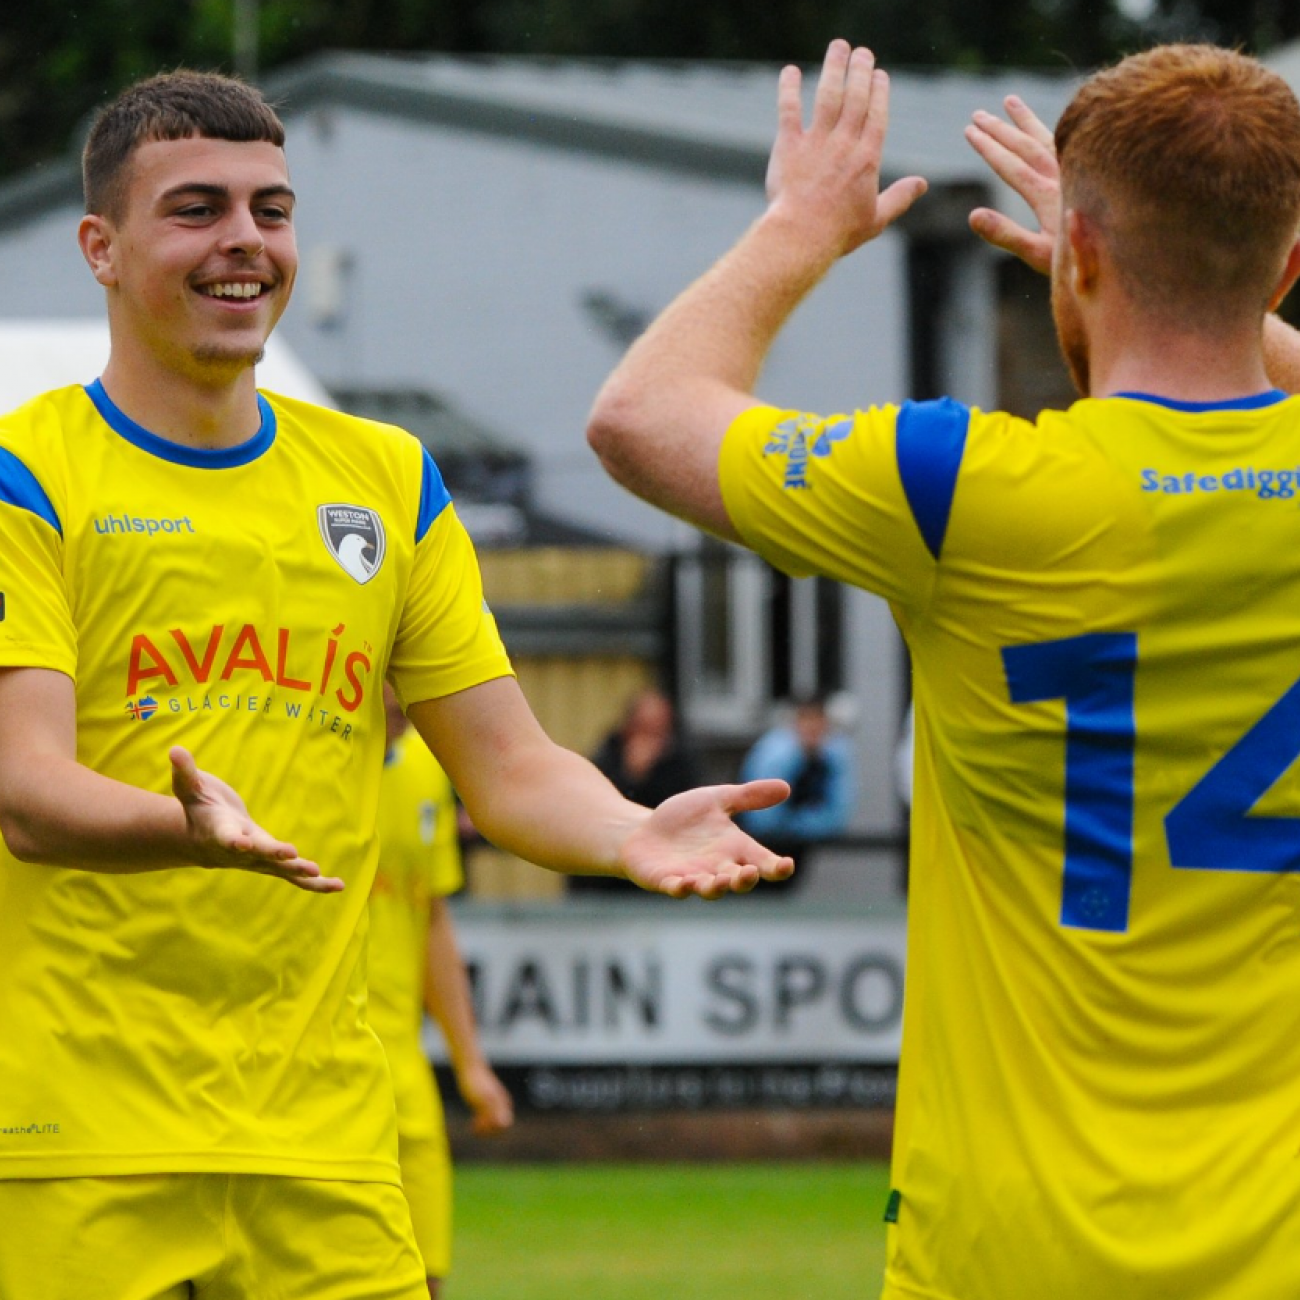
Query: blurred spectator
x=818, y=764
x=644, y=757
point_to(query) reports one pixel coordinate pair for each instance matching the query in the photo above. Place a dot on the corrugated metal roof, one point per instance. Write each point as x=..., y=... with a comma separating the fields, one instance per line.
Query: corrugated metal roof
x=714, y=117
x=706, y=105
x=710, y=118
x=437, y=423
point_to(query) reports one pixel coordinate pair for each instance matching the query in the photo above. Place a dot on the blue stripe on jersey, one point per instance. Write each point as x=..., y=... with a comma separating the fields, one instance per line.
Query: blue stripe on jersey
x=19, y=487
x=930, y=438
x=178, y=454
x=1252, y=403
x=434, y=497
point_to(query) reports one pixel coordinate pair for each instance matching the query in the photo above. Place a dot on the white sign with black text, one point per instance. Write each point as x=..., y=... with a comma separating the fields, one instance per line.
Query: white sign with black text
x=579, y=987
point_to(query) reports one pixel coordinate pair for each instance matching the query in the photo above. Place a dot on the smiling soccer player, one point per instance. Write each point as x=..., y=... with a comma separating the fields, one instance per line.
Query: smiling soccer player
x=190, y=1095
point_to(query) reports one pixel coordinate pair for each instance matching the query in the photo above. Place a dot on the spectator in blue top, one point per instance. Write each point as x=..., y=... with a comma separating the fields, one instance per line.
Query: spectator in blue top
x=818, y=764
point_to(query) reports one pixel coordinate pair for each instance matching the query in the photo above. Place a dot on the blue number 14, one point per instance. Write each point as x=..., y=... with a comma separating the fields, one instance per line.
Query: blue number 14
x=1208, y=828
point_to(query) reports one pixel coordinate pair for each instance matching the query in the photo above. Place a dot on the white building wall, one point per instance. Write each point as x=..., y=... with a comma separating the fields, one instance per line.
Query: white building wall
x=468, y=257
x=42, y=272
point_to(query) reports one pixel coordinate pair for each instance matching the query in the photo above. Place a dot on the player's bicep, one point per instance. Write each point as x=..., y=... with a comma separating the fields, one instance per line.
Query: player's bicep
x=664, y=447
x=38, y=726
x=486, y=738
x=38, y=712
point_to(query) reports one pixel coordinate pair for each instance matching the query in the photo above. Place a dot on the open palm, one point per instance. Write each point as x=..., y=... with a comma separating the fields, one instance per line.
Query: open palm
x=691, y=845
x=225, y=835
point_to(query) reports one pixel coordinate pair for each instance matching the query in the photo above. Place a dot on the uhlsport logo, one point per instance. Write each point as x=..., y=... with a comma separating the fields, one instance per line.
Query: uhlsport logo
x=354, y=536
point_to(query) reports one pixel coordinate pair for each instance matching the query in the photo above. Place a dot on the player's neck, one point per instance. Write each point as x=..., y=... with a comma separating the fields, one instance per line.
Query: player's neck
x=184, y=409
x=1180, y=365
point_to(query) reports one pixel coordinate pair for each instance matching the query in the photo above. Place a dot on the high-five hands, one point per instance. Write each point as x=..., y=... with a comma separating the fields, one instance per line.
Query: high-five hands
x=827, y=175
x=1023, y=154
x=224, y=835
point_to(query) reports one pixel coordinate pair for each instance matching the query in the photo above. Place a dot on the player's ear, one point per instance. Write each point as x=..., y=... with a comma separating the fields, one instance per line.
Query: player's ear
x=95, y=235
x=1290, y=273
x=1084, y=242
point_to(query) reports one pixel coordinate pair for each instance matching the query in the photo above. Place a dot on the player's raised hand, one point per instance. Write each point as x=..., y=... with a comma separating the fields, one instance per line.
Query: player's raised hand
x=224, y=835
x=492, y=1109
x=1023, y=154
x=690, y=845
x=827, y=174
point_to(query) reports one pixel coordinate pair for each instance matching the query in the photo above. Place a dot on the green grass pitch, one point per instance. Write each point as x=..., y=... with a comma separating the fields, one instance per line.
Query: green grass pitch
x=644, y=1232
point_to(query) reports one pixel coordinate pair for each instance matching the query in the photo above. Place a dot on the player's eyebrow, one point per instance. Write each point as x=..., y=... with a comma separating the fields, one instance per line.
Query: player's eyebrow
x=223, y=191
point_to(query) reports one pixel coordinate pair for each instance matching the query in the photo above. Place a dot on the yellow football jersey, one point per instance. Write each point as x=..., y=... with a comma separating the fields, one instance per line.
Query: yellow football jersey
x=246, y=603
x=419, y=860
x=1098, y=1094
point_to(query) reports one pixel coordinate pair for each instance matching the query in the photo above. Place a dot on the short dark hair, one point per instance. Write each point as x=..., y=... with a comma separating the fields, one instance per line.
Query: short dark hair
x=171, y=106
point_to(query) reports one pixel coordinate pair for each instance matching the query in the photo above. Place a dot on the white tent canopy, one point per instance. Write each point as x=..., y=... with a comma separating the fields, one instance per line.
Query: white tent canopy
x=36, y=355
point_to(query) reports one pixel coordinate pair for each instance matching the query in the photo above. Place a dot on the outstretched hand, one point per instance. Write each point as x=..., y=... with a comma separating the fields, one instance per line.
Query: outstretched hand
x=690, y=845
x=1022, y=152
x=224, y=835
x=828, y=174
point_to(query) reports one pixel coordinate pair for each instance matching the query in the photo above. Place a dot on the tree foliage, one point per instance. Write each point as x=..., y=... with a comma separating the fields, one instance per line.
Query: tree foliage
x=57, y=65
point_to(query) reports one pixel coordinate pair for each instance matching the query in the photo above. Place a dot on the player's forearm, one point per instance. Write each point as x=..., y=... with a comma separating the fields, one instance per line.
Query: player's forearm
x=57, y=812
x=721, y=328
x=552, y=807
x=658, y=423
x=447, y=994
x=522, y=791
x=716, y=334
x=1282, y=354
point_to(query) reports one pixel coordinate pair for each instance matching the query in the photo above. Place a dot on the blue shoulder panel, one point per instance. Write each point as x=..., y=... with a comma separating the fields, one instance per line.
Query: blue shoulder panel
x=930, y=438
x=18, y=487
x=434, y=497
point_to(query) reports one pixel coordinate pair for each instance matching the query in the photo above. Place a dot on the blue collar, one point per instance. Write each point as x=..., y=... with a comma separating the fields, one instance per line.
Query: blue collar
x=177, y=453
x=1253, y=403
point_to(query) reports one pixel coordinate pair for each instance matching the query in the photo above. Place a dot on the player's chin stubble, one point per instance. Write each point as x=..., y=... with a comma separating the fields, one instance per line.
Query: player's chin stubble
x=215, y=356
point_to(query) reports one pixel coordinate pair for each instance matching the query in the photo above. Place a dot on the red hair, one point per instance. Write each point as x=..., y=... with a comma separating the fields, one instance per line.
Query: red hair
x=1188, y=159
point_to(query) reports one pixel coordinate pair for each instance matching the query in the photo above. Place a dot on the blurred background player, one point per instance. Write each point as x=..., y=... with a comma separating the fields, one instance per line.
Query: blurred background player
x=1097, y=1092
x=414, y=966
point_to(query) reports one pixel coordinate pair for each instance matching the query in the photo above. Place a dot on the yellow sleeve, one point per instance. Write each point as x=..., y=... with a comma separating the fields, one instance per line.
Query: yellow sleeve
x=36, y=627
x=447, y=639
x=823, y=495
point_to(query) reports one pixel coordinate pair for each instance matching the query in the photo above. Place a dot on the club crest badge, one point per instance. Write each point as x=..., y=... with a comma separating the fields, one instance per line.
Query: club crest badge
x=354, y=536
